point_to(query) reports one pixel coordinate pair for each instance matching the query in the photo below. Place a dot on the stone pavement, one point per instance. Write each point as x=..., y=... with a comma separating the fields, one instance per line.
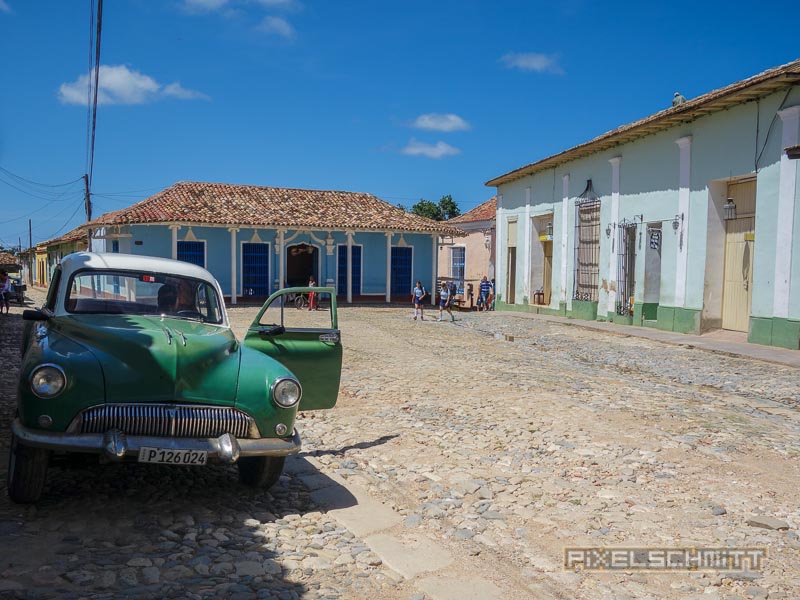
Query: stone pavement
x=461, y=459
x=726, y=342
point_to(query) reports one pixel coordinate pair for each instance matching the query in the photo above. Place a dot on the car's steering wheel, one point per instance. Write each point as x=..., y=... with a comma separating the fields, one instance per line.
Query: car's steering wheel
x=189, y=313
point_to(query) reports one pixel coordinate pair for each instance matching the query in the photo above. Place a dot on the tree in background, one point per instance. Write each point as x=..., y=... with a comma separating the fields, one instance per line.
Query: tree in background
x=447, y=208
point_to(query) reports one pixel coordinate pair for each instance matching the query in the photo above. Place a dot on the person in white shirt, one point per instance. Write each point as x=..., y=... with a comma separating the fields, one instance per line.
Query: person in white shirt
x=418, y=298
x=445, y=301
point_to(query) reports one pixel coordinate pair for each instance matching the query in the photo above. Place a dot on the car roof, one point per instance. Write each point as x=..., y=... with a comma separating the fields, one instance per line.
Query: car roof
x=131, y=262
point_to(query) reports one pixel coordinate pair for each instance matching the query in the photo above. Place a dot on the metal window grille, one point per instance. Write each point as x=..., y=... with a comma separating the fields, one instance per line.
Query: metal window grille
x=401, y=271
x=587, y=246
x=255, y=269
x=192, y=252
x=626, y=267
x=457, y=263
x=341, y=271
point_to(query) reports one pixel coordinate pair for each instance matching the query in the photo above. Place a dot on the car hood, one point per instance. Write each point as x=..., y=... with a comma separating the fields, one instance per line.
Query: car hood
x=160, y=359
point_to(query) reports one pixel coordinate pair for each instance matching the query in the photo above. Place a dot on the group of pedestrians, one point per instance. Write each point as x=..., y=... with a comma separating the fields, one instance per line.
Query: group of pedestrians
x=447, y=293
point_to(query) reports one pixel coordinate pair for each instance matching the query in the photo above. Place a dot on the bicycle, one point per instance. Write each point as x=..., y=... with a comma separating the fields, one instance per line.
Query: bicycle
x=321, y=301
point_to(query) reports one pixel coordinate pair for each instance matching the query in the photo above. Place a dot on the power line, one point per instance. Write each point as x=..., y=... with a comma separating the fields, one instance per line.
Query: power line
x=51, y=185
x=56, y=198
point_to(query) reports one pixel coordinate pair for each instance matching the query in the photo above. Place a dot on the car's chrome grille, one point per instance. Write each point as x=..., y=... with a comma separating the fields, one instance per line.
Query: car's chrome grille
x=166, y=420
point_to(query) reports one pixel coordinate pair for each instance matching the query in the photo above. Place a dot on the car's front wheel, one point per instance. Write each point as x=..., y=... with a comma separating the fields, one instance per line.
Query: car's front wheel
x=27, y=471
x=260, y=471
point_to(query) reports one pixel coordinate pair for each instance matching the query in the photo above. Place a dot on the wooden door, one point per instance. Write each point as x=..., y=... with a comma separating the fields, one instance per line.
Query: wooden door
x=737, y=291
x=511, y=284
x=547, y=274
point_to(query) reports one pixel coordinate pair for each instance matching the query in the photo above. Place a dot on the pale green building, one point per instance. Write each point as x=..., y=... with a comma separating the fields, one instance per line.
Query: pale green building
x=687, y=220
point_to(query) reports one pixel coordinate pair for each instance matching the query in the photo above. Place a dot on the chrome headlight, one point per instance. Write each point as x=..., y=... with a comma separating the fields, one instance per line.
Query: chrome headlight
x=48, y=381
x=286, y=392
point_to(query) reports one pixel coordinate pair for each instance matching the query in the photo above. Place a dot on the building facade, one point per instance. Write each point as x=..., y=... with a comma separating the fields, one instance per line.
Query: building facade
x=687, y=220
x=256, y=240
x=469, y=258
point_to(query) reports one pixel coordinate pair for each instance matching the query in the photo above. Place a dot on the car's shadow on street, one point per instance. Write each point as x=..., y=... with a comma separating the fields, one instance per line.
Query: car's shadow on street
x=187, y=528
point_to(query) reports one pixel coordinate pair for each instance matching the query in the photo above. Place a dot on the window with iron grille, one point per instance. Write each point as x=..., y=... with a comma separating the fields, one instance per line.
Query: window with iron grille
x=192, y=252
x=458, y=263
x=626, y=267
x=255, y=269
x=587, y=249
x=401, y=271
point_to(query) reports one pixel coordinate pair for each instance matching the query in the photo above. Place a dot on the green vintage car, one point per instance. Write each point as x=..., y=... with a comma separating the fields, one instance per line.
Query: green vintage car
x=132, y=358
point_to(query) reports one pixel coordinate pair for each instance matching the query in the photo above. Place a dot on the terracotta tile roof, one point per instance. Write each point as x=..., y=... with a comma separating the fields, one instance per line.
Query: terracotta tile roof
x=8, y=260
x=482, y=212
x=249, y=205
x=753, y=87
x=71, y=236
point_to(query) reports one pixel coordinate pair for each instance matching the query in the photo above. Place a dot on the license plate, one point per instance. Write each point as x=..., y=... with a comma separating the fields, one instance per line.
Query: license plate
x=172, y=457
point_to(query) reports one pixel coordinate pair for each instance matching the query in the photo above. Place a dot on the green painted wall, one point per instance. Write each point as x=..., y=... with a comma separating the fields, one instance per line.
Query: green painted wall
x=724, y=145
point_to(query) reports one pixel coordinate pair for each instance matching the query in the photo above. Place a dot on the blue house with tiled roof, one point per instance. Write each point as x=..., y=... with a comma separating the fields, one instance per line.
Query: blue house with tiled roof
x=256, y=239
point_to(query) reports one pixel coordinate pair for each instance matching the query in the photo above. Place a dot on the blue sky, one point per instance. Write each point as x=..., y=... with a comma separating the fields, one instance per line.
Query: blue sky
x=404, y=100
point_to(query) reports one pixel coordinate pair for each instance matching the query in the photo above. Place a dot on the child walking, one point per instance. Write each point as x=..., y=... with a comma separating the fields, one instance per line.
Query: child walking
x=445, y=301
x=417, y=297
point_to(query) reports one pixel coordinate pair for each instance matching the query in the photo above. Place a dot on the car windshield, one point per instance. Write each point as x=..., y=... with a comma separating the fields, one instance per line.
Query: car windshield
x=137, y=293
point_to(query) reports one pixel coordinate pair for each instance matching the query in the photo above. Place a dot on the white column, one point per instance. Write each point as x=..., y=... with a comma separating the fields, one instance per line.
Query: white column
x=281, y=259
x=389, y=267
x=526, y=280
x=614, y=219
x=685, y=145
x=434, y=266
x=233, y=231
x=784, y=237
x=349, y=267
x=500, y=243
x=564, y=234
x=174, y=229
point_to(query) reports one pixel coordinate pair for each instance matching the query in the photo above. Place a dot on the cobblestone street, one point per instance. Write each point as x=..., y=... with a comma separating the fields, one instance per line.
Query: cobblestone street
x=495, y=442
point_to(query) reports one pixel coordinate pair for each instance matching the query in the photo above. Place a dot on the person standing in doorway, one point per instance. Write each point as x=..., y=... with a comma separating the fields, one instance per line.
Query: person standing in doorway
x=445, y=301
x=418, y=298
x=311, y=295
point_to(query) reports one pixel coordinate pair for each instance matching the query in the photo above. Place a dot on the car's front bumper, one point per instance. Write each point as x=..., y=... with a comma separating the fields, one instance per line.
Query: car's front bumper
x=117, y=445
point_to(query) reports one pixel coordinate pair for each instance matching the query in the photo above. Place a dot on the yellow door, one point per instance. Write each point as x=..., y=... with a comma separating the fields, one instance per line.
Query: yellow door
x=737, y=290
x=547, y=274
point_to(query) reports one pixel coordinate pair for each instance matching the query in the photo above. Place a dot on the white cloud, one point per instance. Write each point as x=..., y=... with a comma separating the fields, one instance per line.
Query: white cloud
x=276, y=26
x=203, y=5
x=532, y=61
x=281, y=4
x=440, y=122
x=437, y=150
x=4, y=7
x=176, y=90
x=120, y=85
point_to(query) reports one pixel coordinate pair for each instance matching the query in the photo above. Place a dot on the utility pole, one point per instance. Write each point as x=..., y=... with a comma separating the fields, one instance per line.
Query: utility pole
x=31, y=255
x=88, y=202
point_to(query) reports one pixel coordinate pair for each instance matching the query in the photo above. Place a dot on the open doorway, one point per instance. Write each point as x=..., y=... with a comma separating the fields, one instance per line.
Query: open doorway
x=652, y=273
x=301, y=264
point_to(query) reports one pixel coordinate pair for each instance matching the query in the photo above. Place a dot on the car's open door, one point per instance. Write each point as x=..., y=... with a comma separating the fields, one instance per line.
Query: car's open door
x=301, y=332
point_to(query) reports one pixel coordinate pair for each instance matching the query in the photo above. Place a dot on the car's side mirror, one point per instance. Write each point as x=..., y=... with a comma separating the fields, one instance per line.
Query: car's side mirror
x=34, y=315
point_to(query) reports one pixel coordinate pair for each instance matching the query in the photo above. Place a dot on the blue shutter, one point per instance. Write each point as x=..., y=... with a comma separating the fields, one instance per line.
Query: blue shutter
x=341, y=271
x=255, y=269
x=192, y=252
x=401, y=271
